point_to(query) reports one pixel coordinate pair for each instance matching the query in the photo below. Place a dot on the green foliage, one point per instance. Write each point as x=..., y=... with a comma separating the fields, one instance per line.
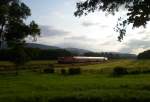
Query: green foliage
x=74, y=71
x=135, y=72
x=117, y=71
x=13, y=29
x=133, y=66
x=63, y=71
x=144, y=55
x=34, y=53
x=34, y=87
x=49, y=70
x=19, y=56
x=110, y=55
x=137, y=15
x=5, y=55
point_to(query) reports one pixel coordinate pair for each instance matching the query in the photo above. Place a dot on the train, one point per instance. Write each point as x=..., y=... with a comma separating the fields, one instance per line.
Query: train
x=81, y=59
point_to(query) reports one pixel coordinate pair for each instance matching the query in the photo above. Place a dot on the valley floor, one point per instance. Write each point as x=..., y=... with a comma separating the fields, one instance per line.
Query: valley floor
x=31, y=86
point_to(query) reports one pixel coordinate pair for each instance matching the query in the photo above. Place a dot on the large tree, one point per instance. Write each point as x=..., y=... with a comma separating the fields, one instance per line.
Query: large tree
x=138, y=12
x=13, y=26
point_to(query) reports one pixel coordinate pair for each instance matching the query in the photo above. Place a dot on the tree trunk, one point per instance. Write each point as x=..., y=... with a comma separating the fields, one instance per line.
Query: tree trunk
x=1, y=36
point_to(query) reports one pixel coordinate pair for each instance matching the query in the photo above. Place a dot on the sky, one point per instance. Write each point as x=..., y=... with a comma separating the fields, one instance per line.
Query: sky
x=95, y=32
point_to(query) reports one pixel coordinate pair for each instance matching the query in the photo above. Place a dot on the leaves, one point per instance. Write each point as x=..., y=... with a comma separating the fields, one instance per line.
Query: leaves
x=34, y=30
x=13, y=27
x=138, y=11
x=19, y=55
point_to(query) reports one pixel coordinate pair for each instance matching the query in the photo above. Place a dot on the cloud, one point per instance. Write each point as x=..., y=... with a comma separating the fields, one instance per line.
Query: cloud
x=81, y=42
x=49, y=31
x=104, y=26
x=136, y=46
x=142, y=32
x=87, y=24
x=50, y=35
x=73, y=44
x=79, y=39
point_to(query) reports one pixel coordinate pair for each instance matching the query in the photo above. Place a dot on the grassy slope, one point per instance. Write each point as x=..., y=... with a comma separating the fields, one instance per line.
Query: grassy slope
x=31, y=86
x=109, y=64
x=123, y=63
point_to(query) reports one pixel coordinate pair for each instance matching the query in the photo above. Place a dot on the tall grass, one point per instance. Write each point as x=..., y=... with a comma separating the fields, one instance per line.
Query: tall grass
x=33, y=87
x=94, y=84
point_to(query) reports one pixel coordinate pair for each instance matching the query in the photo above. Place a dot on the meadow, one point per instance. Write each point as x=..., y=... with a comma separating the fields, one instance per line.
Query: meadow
x=95, y=83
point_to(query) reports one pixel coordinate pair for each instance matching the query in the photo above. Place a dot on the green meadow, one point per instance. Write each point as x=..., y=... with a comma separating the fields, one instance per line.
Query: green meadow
x=95, y=83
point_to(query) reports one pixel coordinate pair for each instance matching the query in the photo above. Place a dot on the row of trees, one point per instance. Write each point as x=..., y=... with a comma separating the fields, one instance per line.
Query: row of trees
x=33, y=54
x=52, y=54
x=144, y=55
x=111, y=55
x=14, y=29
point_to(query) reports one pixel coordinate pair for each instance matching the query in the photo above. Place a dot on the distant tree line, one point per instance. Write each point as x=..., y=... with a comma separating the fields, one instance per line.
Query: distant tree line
x=144, y=55
x=34, y=54
x=53, y=54
x=110, y=55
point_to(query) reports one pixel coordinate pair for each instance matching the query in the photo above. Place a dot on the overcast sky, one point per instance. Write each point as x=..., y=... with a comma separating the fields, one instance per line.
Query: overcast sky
x=94, y=32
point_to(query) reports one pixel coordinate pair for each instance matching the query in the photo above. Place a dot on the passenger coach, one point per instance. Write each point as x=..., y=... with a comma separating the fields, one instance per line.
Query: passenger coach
x=80, y=59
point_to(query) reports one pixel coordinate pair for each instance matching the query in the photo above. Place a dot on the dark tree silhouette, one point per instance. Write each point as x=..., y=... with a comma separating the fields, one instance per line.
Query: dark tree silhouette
x=13, y=28
x=138, y=12
x=144, y=55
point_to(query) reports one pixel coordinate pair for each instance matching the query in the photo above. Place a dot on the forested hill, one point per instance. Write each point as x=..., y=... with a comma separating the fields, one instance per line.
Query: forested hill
x=41, y=46
x=46, y=52
x=112, y=55
x=76, y=51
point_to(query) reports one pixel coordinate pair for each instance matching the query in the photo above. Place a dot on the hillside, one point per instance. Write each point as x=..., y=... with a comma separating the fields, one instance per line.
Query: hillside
x=46, y=47
x=95, y=83
x=41, y=46
x=77, y=51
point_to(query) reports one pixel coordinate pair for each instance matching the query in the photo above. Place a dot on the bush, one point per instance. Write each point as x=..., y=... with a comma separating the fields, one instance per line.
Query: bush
x=135, y=72
x=140, y=72
x=74, y=71
x=51, y=66
x=120, y=71
x=144, y=55
x=146, y=71
x=19, y=56
x=63, y=72
x=49, y=70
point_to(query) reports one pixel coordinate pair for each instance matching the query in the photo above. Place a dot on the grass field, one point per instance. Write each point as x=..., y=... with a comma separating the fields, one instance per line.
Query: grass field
x=96, y=86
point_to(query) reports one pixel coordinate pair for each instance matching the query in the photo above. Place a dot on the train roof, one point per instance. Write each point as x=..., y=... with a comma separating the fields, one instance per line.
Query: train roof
x=83, y=57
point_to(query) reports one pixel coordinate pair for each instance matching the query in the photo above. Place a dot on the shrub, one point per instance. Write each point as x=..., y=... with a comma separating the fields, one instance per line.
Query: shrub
x=146, y=71
x=120, y=71
x=49, y=70
x=140, y=72
x=51, y=66
x=74, y=71
x=135, y=72
x=63, y=71
x=144, y=55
